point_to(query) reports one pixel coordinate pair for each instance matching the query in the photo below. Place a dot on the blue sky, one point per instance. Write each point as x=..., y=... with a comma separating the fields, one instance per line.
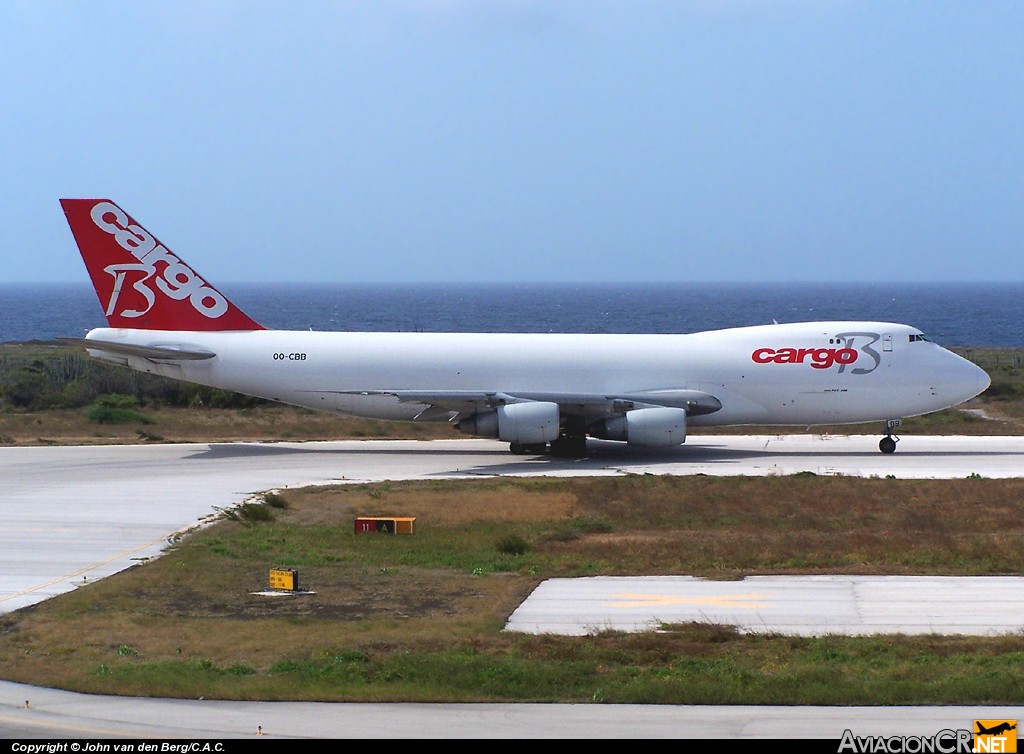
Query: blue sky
x=520, y=140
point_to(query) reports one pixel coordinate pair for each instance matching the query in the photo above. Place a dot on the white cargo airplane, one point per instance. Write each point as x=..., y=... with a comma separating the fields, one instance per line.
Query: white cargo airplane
x=538, y=392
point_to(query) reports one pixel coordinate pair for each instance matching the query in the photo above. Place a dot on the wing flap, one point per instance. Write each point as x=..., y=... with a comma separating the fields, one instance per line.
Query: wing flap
x=466, y=402
x=696, y=402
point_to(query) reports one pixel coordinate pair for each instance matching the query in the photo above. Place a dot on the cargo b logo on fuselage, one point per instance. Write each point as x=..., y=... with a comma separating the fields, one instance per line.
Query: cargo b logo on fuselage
x=819, y=358
x=826, y=357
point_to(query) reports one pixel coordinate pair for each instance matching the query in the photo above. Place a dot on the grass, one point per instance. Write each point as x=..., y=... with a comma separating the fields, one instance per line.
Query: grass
x=420, y=617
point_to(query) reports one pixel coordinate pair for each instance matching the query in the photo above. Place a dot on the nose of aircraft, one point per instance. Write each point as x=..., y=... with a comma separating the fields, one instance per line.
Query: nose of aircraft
x=967, y=379
x=984, y=380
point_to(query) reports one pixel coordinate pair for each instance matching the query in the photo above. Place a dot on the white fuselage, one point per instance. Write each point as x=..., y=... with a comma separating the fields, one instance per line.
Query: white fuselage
x=784, y=374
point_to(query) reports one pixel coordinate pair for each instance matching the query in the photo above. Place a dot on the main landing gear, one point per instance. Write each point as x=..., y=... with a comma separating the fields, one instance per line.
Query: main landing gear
x=888, y=443
x=529, y=449
x=565, y=446
x=569, y=446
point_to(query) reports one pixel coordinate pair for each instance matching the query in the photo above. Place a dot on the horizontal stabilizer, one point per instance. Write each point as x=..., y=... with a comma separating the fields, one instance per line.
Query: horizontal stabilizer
x=168, y=352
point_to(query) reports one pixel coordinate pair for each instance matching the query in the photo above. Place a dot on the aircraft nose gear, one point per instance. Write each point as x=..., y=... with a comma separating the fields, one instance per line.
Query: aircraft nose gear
x=888, y=443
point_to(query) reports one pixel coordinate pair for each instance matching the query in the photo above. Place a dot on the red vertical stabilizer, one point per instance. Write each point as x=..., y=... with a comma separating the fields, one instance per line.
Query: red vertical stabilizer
x=140, y=283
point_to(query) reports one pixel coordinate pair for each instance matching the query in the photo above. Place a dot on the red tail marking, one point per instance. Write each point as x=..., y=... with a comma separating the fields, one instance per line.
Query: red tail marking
x=140, y=283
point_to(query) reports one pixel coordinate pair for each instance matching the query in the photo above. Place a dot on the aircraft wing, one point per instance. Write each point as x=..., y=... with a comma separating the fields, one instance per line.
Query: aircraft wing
x=169, y=352
x=465, y=403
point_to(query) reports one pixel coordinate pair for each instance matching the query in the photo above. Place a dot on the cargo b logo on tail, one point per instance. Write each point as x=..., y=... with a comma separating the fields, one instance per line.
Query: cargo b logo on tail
x=178, y=280
x=140, y=282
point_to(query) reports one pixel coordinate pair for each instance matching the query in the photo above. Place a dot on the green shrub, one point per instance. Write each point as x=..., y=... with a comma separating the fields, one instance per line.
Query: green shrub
x=276, y=500
x=591, y=525
x=107, y=415
x=512, y=544
x=1002, y=391
x=249, y=513
x=24, y=386
x=116, y=400
x=117, y=408
x=576, y=527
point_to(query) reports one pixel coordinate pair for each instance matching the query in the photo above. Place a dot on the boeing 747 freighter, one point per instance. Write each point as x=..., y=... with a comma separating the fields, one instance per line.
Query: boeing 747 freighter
x=539, y=392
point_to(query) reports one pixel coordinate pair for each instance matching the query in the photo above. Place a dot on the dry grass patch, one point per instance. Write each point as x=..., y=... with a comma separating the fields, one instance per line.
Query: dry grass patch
x=435, y=503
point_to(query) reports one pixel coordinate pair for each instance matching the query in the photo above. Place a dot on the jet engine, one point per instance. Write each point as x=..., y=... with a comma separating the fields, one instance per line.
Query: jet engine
x=527, y=423
x=649, y=427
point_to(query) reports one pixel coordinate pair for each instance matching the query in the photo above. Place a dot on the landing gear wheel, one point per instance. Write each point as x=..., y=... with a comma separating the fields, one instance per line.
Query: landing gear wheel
x=888, y=443
x=528, y=449
x=569, y=446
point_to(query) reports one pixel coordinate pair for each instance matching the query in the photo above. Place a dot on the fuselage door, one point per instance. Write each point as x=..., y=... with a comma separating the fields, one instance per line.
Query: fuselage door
x=887, y=342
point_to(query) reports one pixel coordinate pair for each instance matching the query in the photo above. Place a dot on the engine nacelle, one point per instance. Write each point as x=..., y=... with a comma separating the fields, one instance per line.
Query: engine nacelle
x=649, y=427
x=484, y=424
x=528, y=423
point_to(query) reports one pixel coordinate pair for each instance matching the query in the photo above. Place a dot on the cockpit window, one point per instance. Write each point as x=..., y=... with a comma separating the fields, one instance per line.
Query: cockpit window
x=914, y=337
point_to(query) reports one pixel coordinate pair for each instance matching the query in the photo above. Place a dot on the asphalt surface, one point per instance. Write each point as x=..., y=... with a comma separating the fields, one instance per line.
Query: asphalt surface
x=75, y=514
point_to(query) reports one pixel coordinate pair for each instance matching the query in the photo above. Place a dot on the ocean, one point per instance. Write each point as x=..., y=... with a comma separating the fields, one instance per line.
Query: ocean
x=952, y=314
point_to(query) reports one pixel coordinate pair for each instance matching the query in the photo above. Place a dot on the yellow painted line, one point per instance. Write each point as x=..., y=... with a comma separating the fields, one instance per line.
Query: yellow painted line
x=126, y=554
x=83, y=730
x=86, y=569
x=745, y=601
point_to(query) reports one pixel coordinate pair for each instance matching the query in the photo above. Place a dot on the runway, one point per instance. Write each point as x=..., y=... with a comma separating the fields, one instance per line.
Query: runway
x=71, y=515
x=789, y=605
